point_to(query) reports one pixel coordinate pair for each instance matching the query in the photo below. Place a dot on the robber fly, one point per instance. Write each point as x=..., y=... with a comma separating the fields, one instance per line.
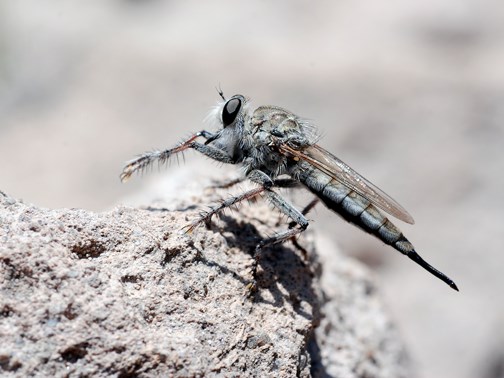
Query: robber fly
x=278, y=149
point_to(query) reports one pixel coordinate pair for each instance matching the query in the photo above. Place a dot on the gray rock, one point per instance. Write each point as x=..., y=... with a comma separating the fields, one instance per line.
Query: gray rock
x=124, y=293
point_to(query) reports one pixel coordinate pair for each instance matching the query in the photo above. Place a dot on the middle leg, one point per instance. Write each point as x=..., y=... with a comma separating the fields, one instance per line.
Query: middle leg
x=206, y=216
x=281, y=204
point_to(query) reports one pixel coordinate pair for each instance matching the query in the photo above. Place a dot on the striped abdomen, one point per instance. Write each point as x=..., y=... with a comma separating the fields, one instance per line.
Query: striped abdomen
x=354, y=208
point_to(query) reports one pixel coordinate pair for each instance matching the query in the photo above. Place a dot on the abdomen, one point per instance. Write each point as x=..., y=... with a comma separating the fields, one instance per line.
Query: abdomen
x=354, y=208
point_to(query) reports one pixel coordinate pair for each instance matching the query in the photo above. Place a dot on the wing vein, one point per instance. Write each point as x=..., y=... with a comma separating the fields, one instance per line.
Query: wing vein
x=340, y=171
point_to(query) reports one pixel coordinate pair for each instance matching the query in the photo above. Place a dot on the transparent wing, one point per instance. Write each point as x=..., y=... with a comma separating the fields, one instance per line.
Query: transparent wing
x=338, y=170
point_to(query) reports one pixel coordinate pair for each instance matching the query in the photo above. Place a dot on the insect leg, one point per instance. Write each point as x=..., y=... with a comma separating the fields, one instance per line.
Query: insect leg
x=143, y=161
x=305, y=211
x=266, y=185
x=206, y=216
x=228, y=184
x=258, y=177
x=293, y=213
x=286, y=183
x=281, y=204
x=212, y=152
x=310, y=206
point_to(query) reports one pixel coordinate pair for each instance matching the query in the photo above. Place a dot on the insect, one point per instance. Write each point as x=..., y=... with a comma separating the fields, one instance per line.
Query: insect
x=279, y=149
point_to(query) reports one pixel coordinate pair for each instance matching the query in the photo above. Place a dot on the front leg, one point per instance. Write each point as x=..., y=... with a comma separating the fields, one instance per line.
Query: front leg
x=146, y=159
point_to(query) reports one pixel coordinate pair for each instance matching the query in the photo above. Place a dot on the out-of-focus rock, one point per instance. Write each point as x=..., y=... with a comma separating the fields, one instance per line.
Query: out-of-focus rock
x=125, y=293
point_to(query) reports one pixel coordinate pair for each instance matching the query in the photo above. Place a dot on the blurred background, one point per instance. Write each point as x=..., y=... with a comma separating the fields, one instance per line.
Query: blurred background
x=409, y=93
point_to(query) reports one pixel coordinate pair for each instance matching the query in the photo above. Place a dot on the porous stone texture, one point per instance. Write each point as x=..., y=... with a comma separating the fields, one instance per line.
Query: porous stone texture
x=124, y=293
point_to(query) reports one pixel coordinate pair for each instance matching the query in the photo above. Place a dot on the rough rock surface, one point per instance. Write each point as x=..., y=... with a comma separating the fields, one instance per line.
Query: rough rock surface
x=123, y=293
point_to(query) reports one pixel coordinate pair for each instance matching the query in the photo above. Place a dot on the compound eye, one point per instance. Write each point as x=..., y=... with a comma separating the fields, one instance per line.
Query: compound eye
x=230, y=111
